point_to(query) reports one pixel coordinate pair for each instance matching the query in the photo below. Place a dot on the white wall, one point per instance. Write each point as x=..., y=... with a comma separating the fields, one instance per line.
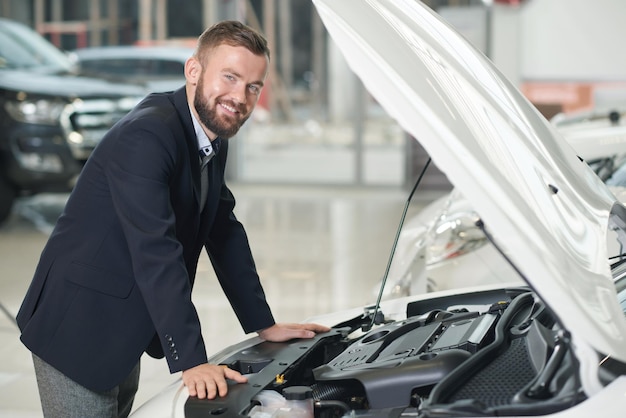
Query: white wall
x=567, y=53
x=577, y=40
x=493, y=30
x=505, y=50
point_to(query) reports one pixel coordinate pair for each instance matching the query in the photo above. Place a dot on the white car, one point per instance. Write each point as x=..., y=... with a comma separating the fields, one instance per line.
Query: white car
x=441, y=243
x=594, y=134
x=553, y=347
x=159, y=68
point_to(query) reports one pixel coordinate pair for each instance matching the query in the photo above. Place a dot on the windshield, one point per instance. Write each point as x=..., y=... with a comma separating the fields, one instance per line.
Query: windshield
x=23, y=48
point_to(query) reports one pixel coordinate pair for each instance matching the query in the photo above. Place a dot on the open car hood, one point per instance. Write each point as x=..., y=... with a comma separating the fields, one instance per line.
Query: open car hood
x=543, y=207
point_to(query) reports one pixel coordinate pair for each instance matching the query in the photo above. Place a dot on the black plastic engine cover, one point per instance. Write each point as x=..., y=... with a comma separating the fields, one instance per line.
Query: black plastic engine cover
x=392, y=361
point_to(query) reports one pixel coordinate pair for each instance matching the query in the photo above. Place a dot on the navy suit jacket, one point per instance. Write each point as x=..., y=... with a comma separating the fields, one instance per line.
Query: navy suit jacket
x=115, y=278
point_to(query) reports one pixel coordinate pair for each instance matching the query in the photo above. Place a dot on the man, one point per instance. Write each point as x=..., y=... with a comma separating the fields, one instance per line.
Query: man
x=116, y=275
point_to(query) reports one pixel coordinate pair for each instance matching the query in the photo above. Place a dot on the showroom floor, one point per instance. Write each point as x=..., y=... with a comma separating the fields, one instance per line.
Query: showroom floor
x=317, y=250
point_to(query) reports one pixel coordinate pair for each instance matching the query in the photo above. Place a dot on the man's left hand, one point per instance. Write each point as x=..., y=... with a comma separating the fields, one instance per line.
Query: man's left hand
x=285, y=332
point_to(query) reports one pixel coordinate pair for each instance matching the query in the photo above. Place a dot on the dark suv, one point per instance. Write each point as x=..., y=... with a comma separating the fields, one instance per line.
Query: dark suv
x=51, y=117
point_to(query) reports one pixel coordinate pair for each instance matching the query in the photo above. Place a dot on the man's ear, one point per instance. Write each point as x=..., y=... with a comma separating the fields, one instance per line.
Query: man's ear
x=193, y=69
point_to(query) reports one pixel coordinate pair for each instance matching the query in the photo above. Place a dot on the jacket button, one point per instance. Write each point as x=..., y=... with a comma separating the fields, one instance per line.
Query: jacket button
x=168, y=337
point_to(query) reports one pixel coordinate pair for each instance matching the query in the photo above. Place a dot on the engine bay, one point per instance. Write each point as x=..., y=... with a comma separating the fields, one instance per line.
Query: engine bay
x=492, y=353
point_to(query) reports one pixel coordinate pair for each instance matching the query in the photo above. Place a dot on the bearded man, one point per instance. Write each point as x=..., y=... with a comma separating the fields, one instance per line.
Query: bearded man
x=116, y=276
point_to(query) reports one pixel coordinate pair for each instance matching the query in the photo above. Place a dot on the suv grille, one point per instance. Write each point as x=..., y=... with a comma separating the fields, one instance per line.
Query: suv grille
x=87, y=120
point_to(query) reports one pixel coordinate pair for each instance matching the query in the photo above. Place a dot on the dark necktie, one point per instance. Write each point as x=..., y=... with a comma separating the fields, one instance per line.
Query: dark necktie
x=206, y=155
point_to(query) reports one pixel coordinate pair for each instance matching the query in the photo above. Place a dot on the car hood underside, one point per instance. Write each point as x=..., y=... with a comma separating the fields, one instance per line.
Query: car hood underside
x=545, y=210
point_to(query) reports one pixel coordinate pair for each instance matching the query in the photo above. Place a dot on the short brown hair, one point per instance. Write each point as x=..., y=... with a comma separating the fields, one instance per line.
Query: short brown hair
x=233, y=33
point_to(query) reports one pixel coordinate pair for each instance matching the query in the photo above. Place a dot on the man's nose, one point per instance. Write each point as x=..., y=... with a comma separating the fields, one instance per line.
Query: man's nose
x=239, y=94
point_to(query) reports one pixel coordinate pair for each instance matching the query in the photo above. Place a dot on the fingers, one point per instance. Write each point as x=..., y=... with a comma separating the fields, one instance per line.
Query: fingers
x=233, y=375
x=291, y=333
x=209, y=380
x=316, y=327
x=204, y=388
x=284, y=332
x=308, y=330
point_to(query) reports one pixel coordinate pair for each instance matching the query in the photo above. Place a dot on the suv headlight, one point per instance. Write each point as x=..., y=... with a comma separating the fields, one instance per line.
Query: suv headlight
x=40, y=111
x=453, y=236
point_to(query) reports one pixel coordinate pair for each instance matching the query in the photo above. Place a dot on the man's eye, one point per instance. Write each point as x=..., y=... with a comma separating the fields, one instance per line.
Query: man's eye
x=254, y=89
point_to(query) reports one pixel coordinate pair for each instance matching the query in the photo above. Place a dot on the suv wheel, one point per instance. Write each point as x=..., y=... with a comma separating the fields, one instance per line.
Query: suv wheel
x=7, y=197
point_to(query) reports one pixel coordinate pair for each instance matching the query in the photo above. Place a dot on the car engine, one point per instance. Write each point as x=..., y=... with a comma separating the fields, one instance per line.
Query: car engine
x=493, y=353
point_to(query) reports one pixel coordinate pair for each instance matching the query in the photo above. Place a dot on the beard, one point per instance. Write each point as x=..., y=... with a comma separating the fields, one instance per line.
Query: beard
x=223, y=126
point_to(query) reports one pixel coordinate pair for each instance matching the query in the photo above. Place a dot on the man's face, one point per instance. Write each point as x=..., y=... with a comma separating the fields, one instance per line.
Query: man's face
x=228, y=88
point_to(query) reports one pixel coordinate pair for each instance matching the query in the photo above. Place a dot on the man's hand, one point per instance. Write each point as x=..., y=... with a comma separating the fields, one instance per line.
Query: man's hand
x=285, y=332
x=209, y=380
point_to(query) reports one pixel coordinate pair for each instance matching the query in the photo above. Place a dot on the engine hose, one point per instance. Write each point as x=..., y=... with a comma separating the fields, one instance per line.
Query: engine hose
x=332, y=404
x=329, y=391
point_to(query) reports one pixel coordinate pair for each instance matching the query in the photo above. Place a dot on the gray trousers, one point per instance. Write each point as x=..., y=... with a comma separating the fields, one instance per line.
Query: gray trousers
x=61, y=397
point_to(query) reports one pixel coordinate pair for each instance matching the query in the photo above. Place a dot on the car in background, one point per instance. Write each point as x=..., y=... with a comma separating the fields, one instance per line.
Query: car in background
x=551, y=346
x=443, y=242
x=51, y=116
x=159, y=68
x=597, y=135
x=592, y=132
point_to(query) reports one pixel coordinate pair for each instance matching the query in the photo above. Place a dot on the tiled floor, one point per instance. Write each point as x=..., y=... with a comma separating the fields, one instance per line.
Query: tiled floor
x=317, y=250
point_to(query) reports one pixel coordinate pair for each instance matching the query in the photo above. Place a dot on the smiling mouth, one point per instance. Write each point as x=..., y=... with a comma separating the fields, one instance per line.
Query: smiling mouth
x=230, y=109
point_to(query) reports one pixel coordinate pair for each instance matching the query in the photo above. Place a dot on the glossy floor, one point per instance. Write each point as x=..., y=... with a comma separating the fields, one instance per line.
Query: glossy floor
x=317, y=250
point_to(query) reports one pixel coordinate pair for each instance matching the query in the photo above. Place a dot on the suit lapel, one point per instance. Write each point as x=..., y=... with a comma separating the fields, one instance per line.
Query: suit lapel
x=180, y=102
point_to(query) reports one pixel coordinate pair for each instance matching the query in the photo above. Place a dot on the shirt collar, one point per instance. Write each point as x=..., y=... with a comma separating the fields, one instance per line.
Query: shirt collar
x=204, y=143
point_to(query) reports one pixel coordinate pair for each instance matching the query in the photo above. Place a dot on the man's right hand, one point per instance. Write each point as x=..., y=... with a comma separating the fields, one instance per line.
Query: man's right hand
x=209, y=380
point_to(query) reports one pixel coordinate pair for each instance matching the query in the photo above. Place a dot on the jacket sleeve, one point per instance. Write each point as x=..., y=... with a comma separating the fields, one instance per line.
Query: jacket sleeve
x=229, y=250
